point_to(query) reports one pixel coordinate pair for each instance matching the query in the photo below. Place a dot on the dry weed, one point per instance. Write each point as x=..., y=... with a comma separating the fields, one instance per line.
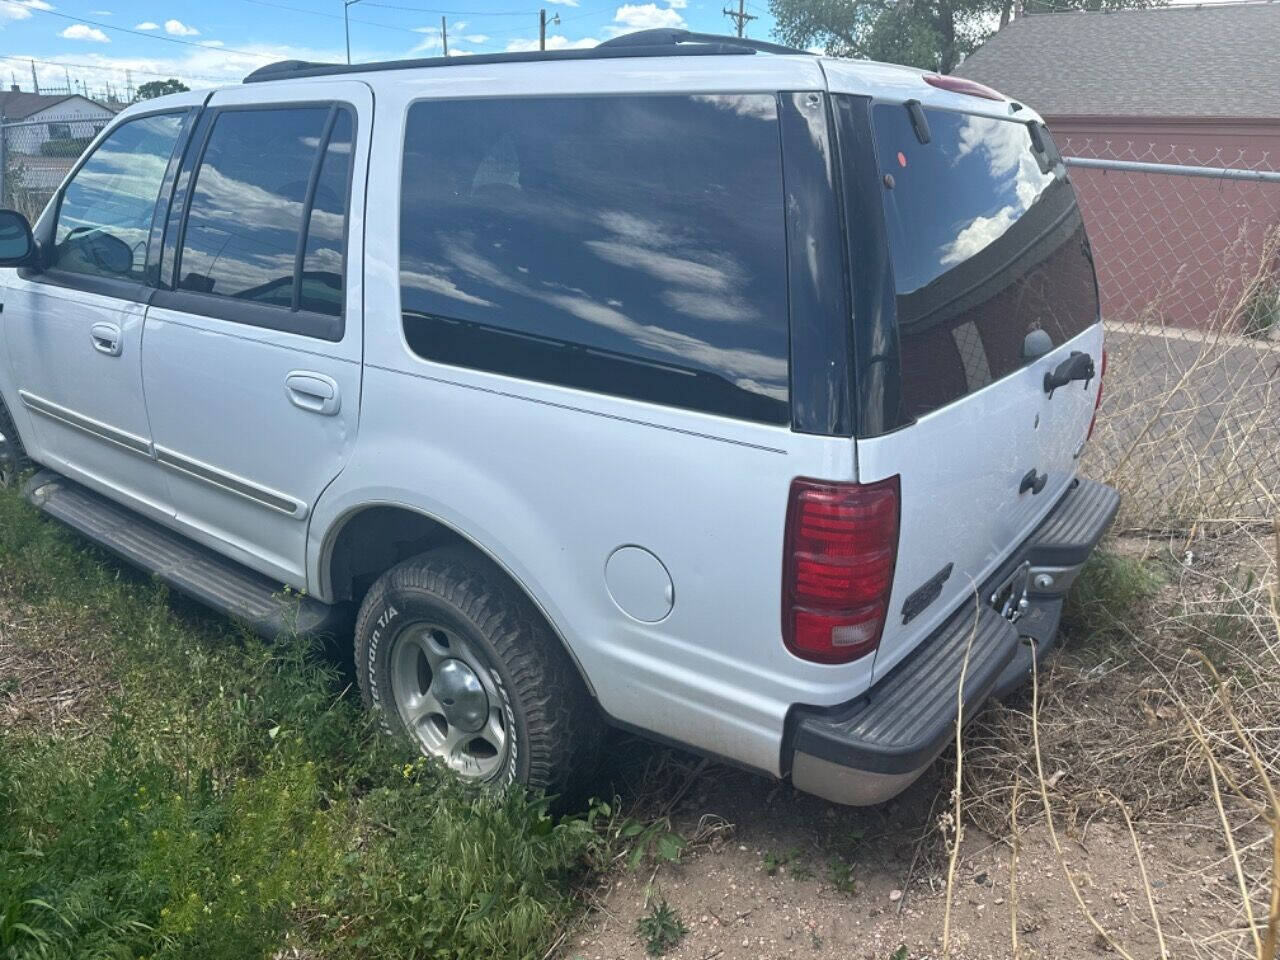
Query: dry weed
x=1189, y=431
x=1170, y=716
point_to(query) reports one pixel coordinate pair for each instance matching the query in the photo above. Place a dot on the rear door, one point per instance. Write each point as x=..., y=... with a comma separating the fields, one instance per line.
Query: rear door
x=252, y=357
x=993, y=288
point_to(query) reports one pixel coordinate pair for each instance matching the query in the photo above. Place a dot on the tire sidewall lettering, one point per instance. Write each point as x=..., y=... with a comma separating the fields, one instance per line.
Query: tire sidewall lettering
x=386, y=626
x=382, y=630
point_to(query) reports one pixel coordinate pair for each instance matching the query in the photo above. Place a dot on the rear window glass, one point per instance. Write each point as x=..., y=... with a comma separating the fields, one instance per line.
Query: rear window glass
x=987, y=245
x=247, y=206
x=632, y=245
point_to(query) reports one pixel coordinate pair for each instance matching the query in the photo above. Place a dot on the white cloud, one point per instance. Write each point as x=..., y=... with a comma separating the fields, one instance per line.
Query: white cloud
x=565, y=3
x=476, y=38
x=100, y=13
x=554, y=42
x=644, y=16
x=146, y=25
x=430, y=41
x=977, y=236
x=460, y=26
x=179, y=29
x=21, y=9
x=80, y=31
x=199, y=67
x=212, y=43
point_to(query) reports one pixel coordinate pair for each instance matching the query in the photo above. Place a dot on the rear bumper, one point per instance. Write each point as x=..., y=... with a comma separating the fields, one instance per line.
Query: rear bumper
x=870, y=749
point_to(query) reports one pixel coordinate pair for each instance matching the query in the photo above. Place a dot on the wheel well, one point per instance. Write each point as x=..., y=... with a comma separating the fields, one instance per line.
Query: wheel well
x=375, y=540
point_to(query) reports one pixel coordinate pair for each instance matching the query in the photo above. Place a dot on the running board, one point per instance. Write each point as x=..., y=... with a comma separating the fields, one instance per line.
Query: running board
x=200, y=573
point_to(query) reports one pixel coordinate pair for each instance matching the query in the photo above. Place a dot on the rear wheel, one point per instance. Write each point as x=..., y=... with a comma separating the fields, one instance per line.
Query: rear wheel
x=452, y=656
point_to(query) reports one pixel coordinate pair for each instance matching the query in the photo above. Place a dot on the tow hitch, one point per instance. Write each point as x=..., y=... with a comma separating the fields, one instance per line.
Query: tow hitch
x=1010, y=598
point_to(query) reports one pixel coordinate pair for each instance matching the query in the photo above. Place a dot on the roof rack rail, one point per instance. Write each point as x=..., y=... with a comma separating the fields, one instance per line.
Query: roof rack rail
x=666, y=36
x=643, y=43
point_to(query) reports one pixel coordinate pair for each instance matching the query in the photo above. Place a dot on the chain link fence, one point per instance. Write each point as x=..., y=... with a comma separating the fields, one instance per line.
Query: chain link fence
x=36, y=156
x=1187, y=247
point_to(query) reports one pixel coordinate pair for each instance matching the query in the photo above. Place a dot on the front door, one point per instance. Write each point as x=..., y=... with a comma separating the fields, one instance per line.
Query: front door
x=73, y=330
x=253, y=352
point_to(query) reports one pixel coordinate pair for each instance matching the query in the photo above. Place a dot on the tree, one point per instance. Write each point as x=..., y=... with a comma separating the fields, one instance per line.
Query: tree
x=158, y=88
x=930, y=34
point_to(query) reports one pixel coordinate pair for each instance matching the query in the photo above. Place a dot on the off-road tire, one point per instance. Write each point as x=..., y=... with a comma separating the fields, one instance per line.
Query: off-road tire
x=9, y=473
x=555, y=730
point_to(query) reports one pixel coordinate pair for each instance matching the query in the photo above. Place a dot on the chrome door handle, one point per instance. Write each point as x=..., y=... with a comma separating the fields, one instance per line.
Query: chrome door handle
x=106, y=339
x=313, y=392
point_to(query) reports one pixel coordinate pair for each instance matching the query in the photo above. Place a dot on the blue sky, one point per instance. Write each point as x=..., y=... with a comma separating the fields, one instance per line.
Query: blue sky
x=208, y=43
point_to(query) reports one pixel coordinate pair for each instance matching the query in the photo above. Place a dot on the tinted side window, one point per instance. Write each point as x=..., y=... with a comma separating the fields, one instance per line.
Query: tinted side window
x=105, y=214
x=245, y=223
x=320, y=289
x=987, y=245
x=631, y=245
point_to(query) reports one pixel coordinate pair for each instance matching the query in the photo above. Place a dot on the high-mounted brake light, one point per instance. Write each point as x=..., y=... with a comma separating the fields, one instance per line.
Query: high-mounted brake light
x=1097, y=404
x=840, y=550
x=960, y=85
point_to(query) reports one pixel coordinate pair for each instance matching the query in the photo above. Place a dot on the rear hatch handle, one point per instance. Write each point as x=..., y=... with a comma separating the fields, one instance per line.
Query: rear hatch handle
x=1078, y=366
x=1033, y=481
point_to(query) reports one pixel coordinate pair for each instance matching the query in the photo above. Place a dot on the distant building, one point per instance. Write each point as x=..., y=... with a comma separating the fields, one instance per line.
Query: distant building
x=43, y=136
x=51, y=117
x=1194, y=85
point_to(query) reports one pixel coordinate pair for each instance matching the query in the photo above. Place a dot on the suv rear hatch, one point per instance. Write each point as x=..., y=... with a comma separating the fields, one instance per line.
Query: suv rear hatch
x=993, y=289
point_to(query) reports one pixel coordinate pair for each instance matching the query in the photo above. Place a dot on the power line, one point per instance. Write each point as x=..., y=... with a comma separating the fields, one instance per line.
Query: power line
x=136, y=33
x=452, y=13
x=590, y=13
x=102, y=67
x=329, y=16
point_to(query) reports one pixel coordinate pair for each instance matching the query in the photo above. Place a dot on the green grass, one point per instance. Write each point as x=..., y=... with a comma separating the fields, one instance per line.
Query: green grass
x=1109, y=594
x=229, y=798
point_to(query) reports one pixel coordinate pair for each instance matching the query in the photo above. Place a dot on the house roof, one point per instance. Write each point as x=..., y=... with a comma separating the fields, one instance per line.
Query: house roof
x=1176, y=61
x=18, y=105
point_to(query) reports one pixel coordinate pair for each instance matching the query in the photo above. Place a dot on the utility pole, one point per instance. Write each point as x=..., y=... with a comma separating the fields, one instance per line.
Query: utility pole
x=542, y=27
x=741, y=16
x=346, y=24
x=444, y=36
x=35, y=81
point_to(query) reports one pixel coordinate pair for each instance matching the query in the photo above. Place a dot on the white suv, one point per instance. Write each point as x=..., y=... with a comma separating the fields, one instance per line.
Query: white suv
x=690, y=385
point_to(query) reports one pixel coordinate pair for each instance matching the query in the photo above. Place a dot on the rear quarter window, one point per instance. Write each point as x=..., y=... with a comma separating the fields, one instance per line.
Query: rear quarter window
x=987, y=244
x=630, y=245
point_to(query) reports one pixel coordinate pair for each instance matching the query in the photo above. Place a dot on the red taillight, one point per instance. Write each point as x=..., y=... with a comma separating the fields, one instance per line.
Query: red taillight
x=1097, y=404
x=841, y=546
x=960, y=85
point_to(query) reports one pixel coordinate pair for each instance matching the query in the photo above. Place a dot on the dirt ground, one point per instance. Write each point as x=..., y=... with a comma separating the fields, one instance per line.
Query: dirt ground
x=897, y=863
x=778, y=874
x=48, y=679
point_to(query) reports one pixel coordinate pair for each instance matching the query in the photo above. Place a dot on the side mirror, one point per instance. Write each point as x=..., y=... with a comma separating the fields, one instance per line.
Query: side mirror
x=17, y=246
